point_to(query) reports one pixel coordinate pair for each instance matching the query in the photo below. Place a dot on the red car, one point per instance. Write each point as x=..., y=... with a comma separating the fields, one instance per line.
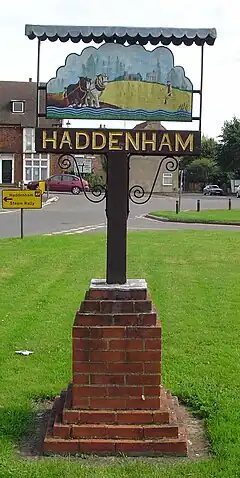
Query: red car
x=62, y=182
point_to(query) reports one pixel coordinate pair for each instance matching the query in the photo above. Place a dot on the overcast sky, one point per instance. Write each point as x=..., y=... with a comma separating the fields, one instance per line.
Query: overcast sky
x=221, y=97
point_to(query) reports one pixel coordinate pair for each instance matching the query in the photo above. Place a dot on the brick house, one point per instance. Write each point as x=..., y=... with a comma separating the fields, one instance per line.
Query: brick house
x=18, y=159
x=144, y=168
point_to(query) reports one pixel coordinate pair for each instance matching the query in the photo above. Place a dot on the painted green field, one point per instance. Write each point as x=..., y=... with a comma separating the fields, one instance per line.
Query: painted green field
x=144, y=95
x=193, y=278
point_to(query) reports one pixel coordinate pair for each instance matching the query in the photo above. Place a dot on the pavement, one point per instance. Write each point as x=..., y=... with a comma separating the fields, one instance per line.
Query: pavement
x=69, y=214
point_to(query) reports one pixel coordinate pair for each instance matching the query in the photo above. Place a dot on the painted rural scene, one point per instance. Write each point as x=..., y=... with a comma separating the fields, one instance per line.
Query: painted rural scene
x=120, y=82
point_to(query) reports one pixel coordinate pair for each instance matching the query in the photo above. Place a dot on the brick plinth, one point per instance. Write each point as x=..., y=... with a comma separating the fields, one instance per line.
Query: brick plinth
x=115, y=402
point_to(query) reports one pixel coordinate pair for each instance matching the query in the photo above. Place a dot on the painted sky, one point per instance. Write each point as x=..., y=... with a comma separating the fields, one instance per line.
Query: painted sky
x=221, y=99
x=114, y=60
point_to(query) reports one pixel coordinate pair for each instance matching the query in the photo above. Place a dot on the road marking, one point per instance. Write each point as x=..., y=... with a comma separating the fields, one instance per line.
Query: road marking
x=78, y=230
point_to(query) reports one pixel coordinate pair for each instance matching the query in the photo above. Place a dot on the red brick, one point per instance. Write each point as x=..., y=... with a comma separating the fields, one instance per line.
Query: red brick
x=90, y=391
x=124, y=431
x=60, y=446
x=139, y=294
x=108, y=403
x=90, y=344
x=143, y=306
x=146, y=356
x=130, y=344
x=152, y=391
x=78, y=402
x=154, y=432
x=90, y=306
x=80, y=355
x=98, y=294
x=138, y=403
x=71, y=416
x=81, y=379
x=161, y=417
x=97, y=446
x=143, y=332
x=135, y=416
x=153, y=344
x=143, y=379
x=107, y=356
x=117, y=306
x=147, y=319
x=125, y=319
x=93, y=319
x=89, y=367
x=119, y=367
x=61, y=430
x=89, y=431
x=97, y=417
x=173, y=447
x=107, y=379
x=80, y=332
x=152, y=367
x=107, y=332
x=123, y=391
x=131, y=447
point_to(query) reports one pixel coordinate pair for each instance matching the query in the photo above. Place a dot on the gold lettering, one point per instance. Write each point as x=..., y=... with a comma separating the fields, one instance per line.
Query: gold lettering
x=165, y=142
x=87, y=140
x=135, y=143
x=96, y=134
x=113, y=142
x=179, y=141
x=52, y=140
x=66, y=139
x=146, y=141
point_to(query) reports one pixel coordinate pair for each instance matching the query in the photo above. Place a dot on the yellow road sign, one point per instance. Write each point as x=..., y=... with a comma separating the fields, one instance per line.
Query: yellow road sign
x=41, y=186
x=21, y=199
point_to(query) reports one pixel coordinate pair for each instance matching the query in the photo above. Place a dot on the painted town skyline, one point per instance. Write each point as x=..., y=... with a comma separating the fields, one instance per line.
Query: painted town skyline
x=134, y=61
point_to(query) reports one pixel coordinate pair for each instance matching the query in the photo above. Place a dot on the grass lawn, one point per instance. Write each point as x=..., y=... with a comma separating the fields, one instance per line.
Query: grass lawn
x=193, y=277
x=212, y=215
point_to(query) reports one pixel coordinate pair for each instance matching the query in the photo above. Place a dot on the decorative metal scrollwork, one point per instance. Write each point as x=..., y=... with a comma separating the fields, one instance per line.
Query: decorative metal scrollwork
x=99, y=192
x=137, y=192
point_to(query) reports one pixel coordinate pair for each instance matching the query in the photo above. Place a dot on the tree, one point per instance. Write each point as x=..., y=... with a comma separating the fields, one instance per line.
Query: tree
x=204, y=169
x=228, y=151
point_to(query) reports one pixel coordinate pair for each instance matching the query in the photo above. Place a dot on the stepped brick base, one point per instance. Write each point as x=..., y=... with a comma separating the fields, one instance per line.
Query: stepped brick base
x=115, y=402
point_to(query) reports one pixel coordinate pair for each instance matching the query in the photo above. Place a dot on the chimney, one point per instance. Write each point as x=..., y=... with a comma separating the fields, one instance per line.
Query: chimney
x=30, y=80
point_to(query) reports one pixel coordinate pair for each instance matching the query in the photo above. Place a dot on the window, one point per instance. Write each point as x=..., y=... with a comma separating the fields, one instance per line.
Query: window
x=35, y=167
x=167, y=179
x=18, y=106
x=29, y=140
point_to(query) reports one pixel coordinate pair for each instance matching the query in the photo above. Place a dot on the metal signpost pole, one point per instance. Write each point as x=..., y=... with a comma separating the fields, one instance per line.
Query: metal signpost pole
x=117, y=208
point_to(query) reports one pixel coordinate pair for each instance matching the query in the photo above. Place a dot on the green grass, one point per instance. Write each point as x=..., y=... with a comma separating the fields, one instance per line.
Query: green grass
x=210, y=215
x=193, y=278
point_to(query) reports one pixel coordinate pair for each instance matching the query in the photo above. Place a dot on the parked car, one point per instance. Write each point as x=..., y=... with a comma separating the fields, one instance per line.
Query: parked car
x=238, y=192
x=211, y=189
x=62, y=182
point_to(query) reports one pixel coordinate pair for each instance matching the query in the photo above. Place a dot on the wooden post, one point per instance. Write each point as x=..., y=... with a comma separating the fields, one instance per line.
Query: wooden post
x=117, y=208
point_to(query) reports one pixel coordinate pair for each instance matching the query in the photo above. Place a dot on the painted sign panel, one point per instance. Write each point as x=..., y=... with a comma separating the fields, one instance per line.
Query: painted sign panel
x=21, y=199
x=144, y=142
x=120, y=82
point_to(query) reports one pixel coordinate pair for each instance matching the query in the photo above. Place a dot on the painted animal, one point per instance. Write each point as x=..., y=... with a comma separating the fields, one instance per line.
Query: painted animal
x=76, y=94
x=96, y=88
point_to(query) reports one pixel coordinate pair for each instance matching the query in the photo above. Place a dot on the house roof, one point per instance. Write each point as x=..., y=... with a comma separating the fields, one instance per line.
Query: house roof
x=23, y=91
x=155, y=125
x=132, y=35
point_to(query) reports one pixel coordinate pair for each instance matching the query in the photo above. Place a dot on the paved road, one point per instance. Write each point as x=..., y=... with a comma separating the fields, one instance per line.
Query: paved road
x=74, y=214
